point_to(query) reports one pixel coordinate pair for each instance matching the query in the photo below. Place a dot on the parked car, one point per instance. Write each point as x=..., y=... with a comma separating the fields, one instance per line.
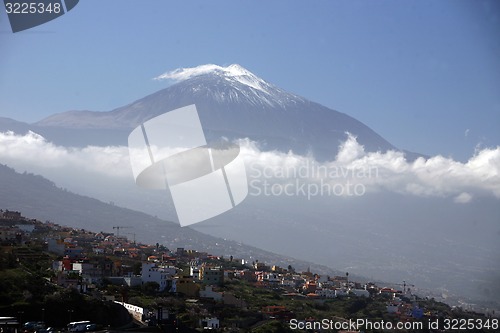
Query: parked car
x=46, y=330
x=32, y=326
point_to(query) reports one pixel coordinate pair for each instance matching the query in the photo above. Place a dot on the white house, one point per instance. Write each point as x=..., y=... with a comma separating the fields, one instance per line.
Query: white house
x=210, y=323
x=195, y=271
x=271, y=277
x=99, y=236
x=162, y=275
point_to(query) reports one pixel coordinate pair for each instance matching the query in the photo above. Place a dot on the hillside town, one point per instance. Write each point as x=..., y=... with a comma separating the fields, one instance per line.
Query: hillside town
x=156, y=288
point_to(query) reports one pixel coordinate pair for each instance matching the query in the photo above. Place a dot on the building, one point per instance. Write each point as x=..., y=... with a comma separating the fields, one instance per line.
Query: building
x=341, y=292
x=310, y=287
x=360, y=292
x=260, y=266
x=212, y=275
x=88, y=270
x=248, y=275
x=270, y=277
x=73, y=252
x=8, y=233
x=99, y=250
x=278, y=312
x=210, y=323
x=99, y=236
x=186, y=286
x=152, y=272
x=278, y=269
x=195, y=273
x=57, y=266
x=326, y=293
x=56, y=246
x=135, y=311
x=26, y=228
x=10, y=215
x=131, y=281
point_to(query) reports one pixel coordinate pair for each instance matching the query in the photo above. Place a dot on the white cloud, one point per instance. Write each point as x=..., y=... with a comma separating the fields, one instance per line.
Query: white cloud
x=436, y=176
x=181, y=74
x=463, y=197
x=33, y=153
x=234, y=71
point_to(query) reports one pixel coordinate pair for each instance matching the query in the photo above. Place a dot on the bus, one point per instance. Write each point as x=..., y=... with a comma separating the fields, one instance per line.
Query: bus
x=8, y=324
x=78, y=326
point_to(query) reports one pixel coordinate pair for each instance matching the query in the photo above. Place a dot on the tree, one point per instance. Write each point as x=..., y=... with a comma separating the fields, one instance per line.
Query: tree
x=137, y=268
x=150, y=288
x=272, y=327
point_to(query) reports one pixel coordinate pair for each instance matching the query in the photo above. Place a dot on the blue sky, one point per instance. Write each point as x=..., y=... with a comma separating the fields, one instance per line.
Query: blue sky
x=423, y=74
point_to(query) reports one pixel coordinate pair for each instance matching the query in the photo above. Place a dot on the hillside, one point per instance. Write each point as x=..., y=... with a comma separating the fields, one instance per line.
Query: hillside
x=36, y=196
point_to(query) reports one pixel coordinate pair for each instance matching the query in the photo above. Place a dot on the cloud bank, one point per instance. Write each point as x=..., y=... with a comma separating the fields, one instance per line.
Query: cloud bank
x=437, y=176
x=32, y=153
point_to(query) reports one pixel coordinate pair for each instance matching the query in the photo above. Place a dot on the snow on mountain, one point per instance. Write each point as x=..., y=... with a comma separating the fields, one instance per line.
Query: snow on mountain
x=234, y=72
x=243, y=82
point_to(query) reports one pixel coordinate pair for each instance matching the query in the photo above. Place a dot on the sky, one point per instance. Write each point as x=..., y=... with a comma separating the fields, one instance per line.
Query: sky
x=423, y=74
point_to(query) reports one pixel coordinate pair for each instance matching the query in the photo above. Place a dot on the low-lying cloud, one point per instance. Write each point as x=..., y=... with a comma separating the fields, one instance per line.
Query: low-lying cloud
x=437, y=176
x=32, y=153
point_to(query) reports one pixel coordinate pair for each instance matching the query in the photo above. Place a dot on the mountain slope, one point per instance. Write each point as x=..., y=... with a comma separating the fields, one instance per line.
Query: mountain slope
x=40, y=198
x=234, y=103
x=8, y=124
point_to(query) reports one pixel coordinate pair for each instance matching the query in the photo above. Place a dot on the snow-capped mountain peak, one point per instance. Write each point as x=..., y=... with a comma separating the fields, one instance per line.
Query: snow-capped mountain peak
x=232, y=102
x=233, y=73
x=181, y=74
